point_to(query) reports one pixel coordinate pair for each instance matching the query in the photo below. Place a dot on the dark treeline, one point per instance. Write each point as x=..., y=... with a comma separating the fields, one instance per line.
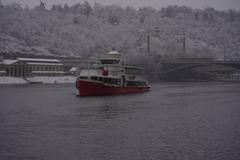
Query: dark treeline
x=84, y=30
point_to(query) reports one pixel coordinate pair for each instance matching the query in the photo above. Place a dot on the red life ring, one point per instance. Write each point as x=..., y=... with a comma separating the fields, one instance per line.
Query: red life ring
x=105, y=72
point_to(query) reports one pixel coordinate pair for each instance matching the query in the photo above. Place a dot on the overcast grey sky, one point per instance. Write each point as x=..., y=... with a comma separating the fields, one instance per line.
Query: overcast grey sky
x=218, y=4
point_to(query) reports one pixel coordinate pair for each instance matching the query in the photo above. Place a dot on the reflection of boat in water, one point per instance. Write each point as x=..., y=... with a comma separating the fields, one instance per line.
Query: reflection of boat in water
x=111, y=77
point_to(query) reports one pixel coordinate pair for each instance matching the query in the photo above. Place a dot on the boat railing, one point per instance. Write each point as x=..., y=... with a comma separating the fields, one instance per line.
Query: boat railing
x=98, y=73
x=90, y=72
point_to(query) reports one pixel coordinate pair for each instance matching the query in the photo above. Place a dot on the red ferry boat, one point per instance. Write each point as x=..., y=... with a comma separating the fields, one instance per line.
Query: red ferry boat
x=111, y=77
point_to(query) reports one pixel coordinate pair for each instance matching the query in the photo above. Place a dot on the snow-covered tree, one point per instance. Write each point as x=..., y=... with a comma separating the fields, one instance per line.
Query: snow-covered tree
x=1, y=5
x=66, y=8
x=83, y=30
x=86, y=9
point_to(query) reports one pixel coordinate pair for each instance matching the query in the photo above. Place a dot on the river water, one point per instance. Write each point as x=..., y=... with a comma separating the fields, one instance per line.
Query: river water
x=174, y=121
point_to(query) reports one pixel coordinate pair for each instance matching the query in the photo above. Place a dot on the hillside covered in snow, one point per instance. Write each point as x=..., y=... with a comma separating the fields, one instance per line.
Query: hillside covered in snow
x=82, y=30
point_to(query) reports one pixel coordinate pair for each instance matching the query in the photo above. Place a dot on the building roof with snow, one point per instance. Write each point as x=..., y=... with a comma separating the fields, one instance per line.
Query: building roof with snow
x=44, y=64
x=9, y=61
x=113, y=53
x=39, y=60
x=73, y=69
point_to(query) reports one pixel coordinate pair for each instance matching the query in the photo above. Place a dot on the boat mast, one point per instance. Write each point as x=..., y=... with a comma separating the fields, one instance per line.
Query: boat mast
x=88, y=68
x=148, y=41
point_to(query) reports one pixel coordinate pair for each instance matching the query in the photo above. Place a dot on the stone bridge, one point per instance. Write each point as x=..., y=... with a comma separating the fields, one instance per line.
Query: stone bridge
x=195, y=69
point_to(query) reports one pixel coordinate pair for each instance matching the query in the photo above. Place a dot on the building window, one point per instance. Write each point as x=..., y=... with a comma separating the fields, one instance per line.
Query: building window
x=11, y=71
x=15, y=72
x=7, y=70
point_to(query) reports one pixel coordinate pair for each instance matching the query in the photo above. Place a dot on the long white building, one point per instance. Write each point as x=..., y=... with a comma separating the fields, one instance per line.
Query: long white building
x=32, y=66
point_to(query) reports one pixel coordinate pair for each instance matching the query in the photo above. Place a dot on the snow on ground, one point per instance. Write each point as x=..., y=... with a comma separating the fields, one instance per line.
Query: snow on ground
x=52, y=80
x=44, y=80
x=12, y=80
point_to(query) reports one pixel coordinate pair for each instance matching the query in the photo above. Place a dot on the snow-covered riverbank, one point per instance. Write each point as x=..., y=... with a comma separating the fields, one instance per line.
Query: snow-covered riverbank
x=52, y=80
x=12, y=80
x=43, y=80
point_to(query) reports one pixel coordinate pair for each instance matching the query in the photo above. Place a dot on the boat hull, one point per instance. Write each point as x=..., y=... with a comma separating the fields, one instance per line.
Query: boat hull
x=94, y=88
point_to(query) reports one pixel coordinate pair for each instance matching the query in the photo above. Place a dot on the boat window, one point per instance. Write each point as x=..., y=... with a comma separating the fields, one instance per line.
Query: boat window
x=109, y=61
x=113, y=81
x=94, y=78
x=132, y=76
x=83, y=77
x=101, y=79
x=136, y=83
x=118, y=81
